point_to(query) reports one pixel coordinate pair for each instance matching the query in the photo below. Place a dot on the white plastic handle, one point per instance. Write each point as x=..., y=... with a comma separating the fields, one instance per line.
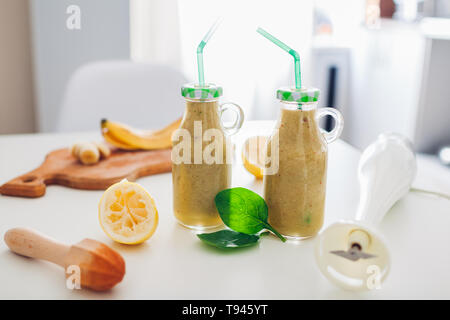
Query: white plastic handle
x=386, y=171
x=339, y=123
x=238, y=121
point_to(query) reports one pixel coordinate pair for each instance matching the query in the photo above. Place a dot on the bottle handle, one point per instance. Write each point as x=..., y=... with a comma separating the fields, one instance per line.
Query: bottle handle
x=339, y=123
x=239, y=120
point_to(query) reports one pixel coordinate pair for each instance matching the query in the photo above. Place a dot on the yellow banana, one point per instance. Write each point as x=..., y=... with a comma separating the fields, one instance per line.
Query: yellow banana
x=125, y=137
x=113, y=141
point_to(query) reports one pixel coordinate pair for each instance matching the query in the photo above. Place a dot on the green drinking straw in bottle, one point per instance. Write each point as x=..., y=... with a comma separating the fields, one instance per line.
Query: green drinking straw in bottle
x=292, y=52
x=201, y=71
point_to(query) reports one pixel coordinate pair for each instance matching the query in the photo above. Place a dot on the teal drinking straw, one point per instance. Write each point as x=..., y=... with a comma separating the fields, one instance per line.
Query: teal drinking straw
x=292, y=52
x=201, y=71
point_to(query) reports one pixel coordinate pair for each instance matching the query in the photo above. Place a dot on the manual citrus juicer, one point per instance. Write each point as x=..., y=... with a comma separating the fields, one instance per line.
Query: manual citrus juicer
x=353, y=254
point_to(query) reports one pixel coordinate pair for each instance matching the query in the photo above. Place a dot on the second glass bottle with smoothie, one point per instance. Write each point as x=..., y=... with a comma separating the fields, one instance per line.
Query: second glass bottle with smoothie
x=197, y=179
x=295, y=193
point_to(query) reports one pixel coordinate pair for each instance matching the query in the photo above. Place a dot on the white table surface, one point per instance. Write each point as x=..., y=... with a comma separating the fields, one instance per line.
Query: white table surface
x=174, y=264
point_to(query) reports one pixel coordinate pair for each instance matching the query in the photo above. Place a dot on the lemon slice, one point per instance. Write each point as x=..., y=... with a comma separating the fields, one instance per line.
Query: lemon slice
x=127, y=213
x=253, y=155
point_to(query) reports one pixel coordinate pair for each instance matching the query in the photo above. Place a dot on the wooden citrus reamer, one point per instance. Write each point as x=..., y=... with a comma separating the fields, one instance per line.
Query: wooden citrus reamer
x=101, y=267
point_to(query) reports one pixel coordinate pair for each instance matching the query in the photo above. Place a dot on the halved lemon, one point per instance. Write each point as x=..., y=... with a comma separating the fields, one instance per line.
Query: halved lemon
x=127, y=213
x=253, y=155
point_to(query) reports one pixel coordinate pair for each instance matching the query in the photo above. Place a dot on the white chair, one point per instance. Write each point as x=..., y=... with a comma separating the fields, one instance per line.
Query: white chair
x=141, y=95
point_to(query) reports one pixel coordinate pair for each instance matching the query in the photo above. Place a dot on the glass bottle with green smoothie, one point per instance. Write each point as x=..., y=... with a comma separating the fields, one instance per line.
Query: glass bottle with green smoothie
x=295, y=193
x=295, y=178
x=201, y=146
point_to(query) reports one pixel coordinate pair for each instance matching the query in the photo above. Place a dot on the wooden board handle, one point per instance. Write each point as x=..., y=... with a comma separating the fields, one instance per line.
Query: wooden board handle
x=31, y=185
x=33, y=244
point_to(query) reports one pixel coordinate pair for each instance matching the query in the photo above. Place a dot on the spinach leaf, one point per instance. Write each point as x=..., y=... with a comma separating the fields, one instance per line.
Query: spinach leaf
x=228, y=239
x=244, y=211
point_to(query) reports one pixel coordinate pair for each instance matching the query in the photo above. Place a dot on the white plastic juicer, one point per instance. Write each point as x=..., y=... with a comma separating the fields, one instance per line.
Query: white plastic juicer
x=353, y=254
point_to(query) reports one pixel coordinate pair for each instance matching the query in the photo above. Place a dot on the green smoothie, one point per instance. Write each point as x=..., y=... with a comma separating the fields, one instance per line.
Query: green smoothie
x=295, y=195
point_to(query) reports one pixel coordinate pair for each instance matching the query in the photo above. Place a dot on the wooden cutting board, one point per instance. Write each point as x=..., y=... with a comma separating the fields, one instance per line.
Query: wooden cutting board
x=60, y=167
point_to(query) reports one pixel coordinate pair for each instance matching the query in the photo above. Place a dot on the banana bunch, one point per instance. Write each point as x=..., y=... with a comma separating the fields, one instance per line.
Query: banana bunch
x=125, y=137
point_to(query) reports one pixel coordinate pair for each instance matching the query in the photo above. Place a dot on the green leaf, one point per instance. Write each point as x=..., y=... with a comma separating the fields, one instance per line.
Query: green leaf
x=228, y=239
x=244, y=211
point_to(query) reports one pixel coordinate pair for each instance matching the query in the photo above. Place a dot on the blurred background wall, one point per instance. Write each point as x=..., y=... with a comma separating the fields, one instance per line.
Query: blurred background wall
x=383, y=63
x=58, y=51
x=16, y=81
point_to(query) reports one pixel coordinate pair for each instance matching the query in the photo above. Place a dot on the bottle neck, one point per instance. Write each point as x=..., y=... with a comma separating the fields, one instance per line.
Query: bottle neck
x=205, y=110
x=202, y=105
x=306, y=106
x=201, y=100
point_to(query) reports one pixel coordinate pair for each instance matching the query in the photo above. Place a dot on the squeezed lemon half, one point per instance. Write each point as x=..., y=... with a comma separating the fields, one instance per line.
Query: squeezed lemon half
x=253, y=155
x=127, y=213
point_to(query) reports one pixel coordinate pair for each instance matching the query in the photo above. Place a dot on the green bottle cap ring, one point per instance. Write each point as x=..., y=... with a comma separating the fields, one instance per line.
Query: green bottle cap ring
x=195, y=91
x=298, y=95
